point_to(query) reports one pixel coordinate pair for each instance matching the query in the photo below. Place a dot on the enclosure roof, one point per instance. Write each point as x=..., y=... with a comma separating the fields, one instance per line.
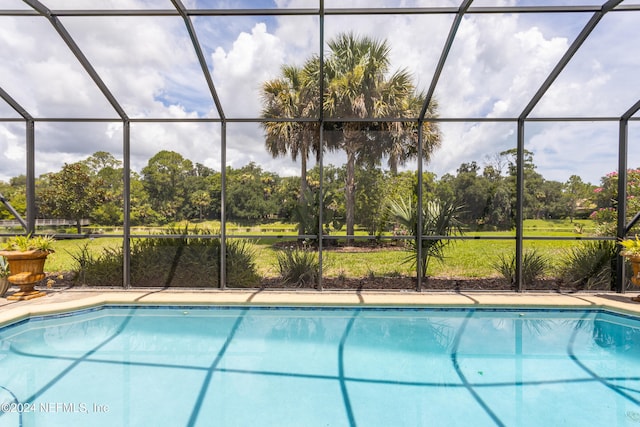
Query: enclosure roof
x=137, y=60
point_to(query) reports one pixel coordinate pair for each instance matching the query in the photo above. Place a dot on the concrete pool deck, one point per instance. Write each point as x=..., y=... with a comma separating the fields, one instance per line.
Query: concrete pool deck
x=64, y=300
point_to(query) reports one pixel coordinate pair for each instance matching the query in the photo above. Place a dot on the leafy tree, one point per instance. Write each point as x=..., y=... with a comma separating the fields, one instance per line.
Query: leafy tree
x=15, y=193
x=287, y=194
x=491, y=174
x=402, y=186
x=510, y=157
x=578, y=195
x=250, y=193
x=101, y=160
x=486, y=197
x=472, y=191
x=534, y=197
x=165, y=180
x=142, y=213
x=500, y=212
x=109, y=169
x=213, y=185
x=553, y=202
x=72, y=193
x=201, y=199
x=333, y=182
x=200, y=180
x=370, y=198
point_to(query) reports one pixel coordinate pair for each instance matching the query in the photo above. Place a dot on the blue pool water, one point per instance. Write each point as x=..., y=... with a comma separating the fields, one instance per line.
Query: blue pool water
x=236, y=366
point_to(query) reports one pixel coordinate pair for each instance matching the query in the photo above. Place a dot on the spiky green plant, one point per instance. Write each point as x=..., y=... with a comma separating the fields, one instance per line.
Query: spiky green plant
x=534, y=266
x=298, y=266
x=28, y=242
x=630, y=247
x=440, y=219
x=591, y=264
x=241, y=266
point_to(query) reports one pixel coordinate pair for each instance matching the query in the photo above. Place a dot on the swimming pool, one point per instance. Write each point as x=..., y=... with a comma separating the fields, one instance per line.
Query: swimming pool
x=288, y=366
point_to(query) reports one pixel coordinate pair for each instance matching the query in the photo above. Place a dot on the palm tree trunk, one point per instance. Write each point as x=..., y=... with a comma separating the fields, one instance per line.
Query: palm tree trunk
x=350, y=194
x=393, y=165
x=303, y=188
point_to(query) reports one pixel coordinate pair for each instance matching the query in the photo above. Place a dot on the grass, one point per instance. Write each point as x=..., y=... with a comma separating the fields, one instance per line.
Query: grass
x=61, y=259
x=472, y=258
x=384, y=263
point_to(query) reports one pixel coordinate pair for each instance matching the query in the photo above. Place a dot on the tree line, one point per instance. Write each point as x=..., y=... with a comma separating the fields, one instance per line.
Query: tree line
x=171, y=188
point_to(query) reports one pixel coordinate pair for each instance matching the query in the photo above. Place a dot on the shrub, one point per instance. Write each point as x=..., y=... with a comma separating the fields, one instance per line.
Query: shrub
x=104, y=269
x=604, y=215
x=533, y=266
x=591, y=265
x=184, y=259
x=298, y=266
x=241, y=266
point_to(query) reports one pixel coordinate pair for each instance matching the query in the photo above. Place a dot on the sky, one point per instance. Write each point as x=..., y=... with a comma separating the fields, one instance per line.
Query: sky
x=496, y=64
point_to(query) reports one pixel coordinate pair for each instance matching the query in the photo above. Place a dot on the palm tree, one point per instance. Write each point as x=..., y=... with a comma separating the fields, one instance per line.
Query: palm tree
x=439, y=219
x=290, y=97
x=358, y=86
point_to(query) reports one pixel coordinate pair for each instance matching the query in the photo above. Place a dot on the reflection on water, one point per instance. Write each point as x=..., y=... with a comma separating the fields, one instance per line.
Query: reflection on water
x=361, y=366
x=615, y=336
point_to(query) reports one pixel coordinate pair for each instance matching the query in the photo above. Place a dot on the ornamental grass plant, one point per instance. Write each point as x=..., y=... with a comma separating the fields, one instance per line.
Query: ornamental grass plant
x=298, y=266
x=591, y=265
x=534, y=266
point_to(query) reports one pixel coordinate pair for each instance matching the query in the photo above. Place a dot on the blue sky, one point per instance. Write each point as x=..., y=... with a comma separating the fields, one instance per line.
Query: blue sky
x=496, y=64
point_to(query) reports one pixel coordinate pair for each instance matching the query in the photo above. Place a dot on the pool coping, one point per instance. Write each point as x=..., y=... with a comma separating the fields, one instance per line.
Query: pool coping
x=67, y=300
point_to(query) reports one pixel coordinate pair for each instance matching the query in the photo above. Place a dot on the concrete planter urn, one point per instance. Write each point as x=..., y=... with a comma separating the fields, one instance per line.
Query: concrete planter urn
x=26, y=256
x=4, y=285
x=631, y=251
x=635, y=267
x=26, y=270
x=634, y=260
x=4, y=273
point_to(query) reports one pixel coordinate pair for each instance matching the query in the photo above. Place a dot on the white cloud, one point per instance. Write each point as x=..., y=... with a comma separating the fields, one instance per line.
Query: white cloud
x=578, y=148
x=198, y=142
x=13, y=150
x=496, y=65
x=466, y=142
x=44, y=78
x=239, y=72
x=601, y=79
x=147, y=63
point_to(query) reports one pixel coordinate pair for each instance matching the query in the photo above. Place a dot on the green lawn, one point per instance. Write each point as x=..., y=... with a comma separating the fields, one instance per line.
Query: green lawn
x=470, y=257
x=62, y=258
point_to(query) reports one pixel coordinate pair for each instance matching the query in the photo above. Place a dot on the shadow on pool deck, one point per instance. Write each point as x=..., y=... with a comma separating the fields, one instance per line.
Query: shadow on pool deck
x=59, y=299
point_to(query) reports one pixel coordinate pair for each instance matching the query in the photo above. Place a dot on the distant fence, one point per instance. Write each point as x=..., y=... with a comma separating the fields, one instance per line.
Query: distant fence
x=45, y=222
